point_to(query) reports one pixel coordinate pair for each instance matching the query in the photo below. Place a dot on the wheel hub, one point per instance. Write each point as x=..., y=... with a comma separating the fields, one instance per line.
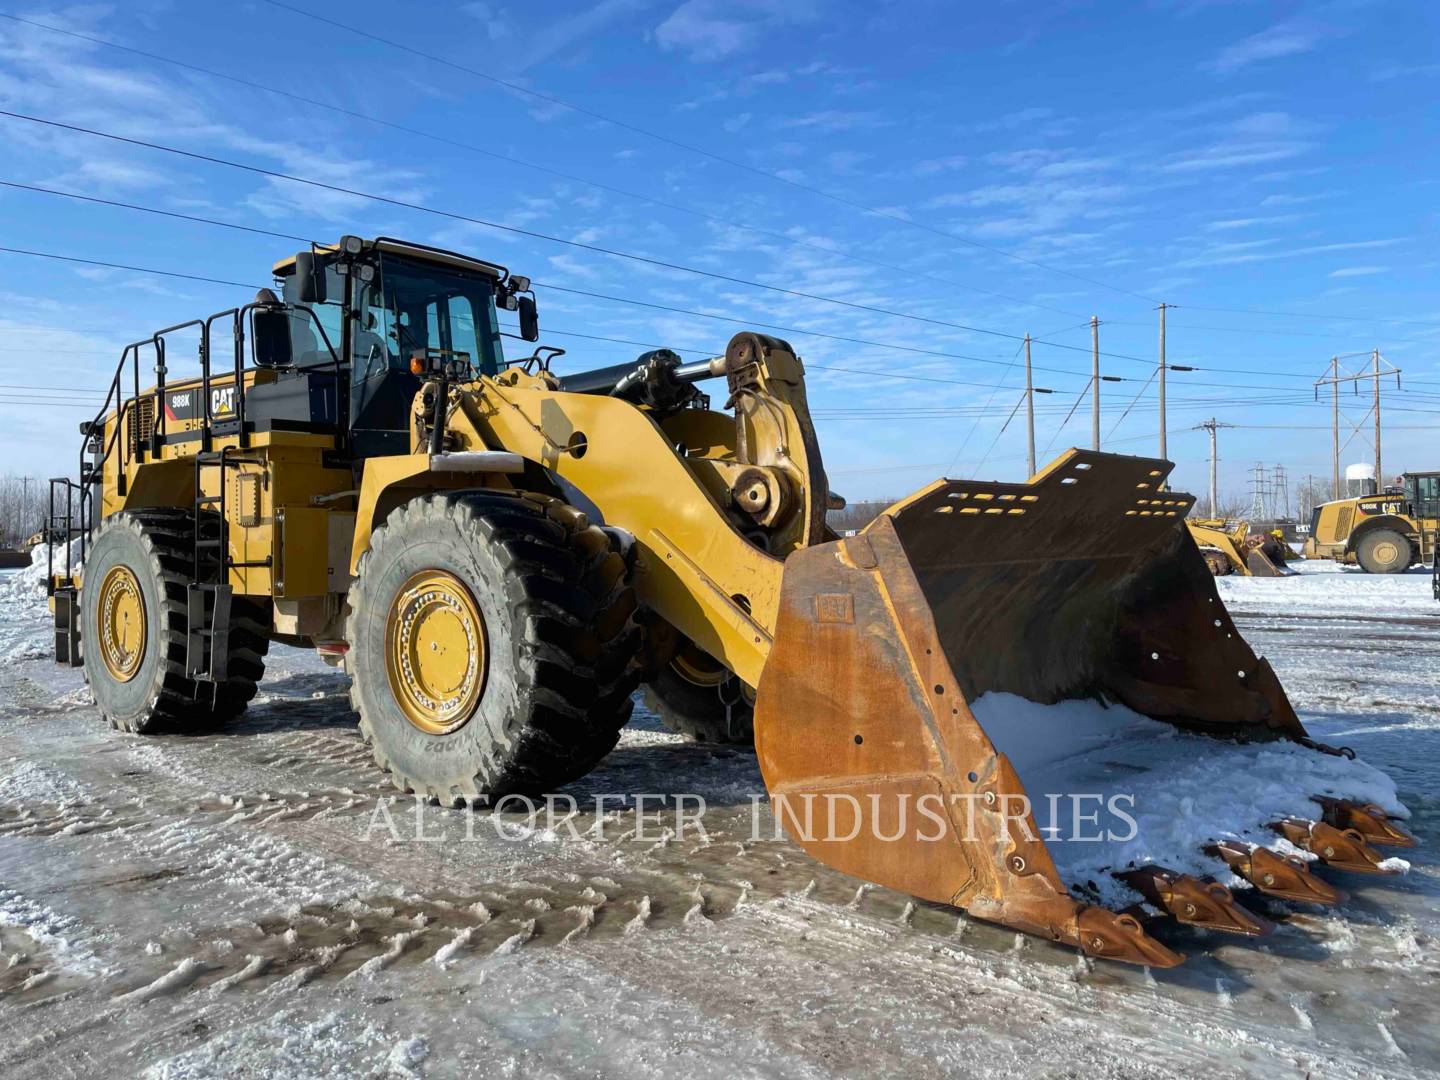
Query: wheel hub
x=121, y=623
x=1386, y=552
x=435, y=651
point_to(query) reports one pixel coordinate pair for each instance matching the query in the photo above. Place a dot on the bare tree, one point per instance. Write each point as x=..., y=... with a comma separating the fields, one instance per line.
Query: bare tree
x=1230, y=506
x=23, y=501
x=856, y=515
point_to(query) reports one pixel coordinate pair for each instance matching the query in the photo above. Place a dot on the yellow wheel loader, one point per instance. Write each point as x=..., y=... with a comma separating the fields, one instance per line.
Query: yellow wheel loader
x=1231, y=548
x=499, y=552
x=1385, y=533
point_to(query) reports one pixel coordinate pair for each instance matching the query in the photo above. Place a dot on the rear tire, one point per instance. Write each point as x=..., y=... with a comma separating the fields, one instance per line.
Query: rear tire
x=690, y=699
x=1383, y=551
x=540, y=603
x=140, y=564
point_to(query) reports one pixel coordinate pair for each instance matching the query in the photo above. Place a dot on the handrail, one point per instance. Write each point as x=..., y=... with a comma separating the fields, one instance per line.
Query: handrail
x=127, y=409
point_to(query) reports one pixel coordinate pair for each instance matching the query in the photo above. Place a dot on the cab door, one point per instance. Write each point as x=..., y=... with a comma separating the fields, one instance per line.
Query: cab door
x=1425, y=495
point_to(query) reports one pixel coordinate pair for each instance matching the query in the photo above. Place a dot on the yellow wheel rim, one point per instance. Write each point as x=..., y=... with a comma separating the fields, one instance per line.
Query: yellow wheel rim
x=121, y=623
x=435, y=651
x=1387, y=552
x=696, y=666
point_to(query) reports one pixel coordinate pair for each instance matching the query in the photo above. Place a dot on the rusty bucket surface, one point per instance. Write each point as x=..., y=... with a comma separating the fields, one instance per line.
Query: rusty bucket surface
x=1080, y=583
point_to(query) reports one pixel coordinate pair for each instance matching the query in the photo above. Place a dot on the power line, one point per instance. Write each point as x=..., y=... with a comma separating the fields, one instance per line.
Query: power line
x=123, y=266
x=1313, y=315
x=578, y=292
x=581, y=245
x=679, y=208
x=37, y=189
x=1180, y=403
x=219, y=223
x=690, y=148
x=522, y=163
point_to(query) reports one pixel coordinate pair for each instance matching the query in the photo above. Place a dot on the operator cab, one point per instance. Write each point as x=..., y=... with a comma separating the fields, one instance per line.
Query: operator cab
x=393, y=310
x=1422, y=490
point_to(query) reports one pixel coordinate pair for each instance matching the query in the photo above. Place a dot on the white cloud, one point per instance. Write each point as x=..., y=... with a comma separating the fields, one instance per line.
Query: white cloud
x=836, y=120
x=1249, y=140
x=1248, y=222
x=1236, y=254
x=1358, y=271
x=1289, y=38
x=714, y=29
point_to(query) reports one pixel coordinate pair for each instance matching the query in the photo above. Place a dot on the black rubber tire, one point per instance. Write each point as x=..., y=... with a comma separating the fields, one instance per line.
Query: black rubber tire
x=1372, y=563
x=157, y=546
x=698, y=712
x=1217, y=561
x=555, y=596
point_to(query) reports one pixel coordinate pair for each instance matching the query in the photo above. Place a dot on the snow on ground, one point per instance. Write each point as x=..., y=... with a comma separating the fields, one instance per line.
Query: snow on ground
x=1322, y=586
x=222, y=904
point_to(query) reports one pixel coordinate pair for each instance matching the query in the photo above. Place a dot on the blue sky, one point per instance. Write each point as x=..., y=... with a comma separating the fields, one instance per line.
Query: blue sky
x=1008, y=167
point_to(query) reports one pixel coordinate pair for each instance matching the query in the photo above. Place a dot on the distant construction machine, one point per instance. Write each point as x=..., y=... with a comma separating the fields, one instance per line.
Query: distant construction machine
x=1383, y=533
x=1231, y=548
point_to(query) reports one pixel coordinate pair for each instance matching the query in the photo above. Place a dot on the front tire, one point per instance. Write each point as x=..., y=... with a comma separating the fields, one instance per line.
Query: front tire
x=491, y=641
x=1383, y=551
x=133, y=628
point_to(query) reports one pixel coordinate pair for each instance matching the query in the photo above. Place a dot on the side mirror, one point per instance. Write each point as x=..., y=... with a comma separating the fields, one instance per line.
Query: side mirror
x=272, y=338
x=529, y=318
x=309, y=279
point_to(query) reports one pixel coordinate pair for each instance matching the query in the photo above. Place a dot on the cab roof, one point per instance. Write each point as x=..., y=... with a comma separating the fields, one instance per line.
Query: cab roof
x=423, y=252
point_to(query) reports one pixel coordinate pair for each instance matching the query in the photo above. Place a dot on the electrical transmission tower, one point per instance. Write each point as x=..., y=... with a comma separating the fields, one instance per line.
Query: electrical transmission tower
x=1376, y=368
x=1259, y=492
x=1280, y=492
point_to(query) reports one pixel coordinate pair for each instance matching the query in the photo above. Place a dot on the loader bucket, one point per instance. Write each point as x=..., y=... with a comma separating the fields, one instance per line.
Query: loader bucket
x=1259, y=563
x=1082, y=583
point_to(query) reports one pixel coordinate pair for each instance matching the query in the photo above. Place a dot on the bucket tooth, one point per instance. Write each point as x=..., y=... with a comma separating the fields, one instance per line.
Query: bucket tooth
x=1194, y=902
x=1114, y=935
x=1276, y=875
x=1344, y=849
x=1369, y=820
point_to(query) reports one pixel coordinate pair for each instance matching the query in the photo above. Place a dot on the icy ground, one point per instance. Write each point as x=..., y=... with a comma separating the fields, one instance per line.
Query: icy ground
x=211, y=905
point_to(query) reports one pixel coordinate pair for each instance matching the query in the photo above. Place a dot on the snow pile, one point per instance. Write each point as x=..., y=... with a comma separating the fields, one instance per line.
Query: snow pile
x=1111, y=788
x=25, y=626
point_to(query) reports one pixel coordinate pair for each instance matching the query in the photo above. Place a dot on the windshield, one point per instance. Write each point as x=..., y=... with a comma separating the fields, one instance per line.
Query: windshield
x=415, y=307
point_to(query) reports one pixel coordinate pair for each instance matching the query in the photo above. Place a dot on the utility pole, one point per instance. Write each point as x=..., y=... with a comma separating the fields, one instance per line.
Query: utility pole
x=1212, y=425
x=1029, y=412
x=1335, y=422
x=1161, y=384
x=1375, y=369
x=1095, y=383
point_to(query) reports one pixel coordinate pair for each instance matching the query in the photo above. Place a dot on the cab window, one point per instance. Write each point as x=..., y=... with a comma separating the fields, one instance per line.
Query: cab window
x=413, y=307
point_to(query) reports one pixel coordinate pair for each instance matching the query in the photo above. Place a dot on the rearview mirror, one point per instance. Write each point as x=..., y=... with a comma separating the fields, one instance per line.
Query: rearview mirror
x=529, y=318
x=309, y=279
x=272, y=338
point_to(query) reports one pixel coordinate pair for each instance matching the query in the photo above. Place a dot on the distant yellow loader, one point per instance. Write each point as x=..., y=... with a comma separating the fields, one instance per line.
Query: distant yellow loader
x=1230, y=548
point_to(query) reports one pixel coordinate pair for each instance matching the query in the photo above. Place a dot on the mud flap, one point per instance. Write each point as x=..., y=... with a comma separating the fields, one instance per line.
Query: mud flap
x=1082, y=582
